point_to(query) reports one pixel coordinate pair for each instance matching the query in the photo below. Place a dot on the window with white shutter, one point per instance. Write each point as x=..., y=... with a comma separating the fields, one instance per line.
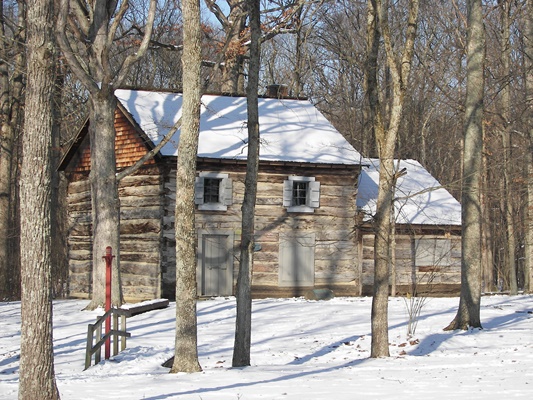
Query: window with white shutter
x=301, y=194
x=213, y=191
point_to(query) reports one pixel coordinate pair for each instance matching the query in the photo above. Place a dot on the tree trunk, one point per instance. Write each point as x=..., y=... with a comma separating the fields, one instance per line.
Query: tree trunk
x=104, y=198
x=386, y=123
x=382, y=255
x=186, y=349
x=528, y=39
x=37, y=378
x=243, y=324
x=232, y=79
x=88, y=53
x=507, y=197
x=11, y=89
x=468, y=314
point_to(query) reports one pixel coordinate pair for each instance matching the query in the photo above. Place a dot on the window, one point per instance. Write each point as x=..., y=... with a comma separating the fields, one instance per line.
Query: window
x=213, y=191
x=301, y=194
x=432, y=252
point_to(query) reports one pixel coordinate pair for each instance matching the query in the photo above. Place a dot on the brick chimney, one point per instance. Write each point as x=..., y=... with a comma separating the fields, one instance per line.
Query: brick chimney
x=277, y=91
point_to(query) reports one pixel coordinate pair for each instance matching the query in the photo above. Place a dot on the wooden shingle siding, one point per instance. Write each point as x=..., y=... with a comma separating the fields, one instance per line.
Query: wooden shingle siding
x=129, y=147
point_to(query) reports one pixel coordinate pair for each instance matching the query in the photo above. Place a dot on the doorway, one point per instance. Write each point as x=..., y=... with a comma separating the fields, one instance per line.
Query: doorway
x=215, y=263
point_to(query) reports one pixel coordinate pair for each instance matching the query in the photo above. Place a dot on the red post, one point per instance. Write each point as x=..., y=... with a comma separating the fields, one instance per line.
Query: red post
x=108, y=261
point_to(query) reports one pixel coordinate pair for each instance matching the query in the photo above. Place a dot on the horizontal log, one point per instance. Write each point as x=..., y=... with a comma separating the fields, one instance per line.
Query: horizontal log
x=140, y=213
x=79, y=197
x=85, y=206
x=138, y=280
x=152, y=200
x=80, y=229
x=80, y=255
x=79, y=187
x=139, y=244
x=139, y=226
x=140, y=191
x=150, y=256
x=141, y=179
x=80, y=266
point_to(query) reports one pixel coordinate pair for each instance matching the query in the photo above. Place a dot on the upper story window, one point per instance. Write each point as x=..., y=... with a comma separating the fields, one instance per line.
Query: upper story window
x=301, y=194
x=213, y=191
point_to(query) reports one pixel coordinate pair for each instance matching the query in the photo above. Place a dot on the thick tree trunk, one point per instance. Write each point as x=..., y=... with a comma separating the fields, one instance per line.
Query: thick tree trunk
x=468, y=314
x=37, y=378
x=186, y=348
x=104, y=197
x=88, y=53
x=243, y=324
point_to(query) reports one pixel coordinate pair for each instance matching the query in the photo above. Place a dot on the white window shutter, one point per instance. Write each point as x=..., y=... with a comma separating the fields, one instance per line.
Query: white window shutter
x=313, y=198
x=226, y=192
x=287, y=193
x=199, y=190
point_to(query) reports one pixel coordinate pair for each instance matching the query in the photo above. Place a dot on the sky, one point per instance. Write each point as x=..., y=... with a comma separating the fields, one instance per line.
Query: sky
x=300, y=350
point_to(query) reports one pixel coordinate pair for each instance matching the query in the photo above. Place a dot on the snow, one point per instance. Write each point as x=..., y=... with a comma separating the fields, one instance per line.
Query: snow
x=300, y=350
x=420, y=197
x=291, y=130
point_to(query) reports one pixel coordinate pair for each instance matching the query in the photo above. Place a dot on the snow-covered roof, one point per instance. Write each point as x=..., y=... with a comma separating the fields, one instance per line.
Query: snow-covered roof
x=417, y=202
x=291, y=130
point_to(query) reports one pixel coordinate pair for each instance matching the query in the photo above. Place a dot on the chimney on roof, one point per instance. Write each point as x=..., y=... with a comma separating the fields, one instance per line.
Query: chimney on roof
x=277, y=91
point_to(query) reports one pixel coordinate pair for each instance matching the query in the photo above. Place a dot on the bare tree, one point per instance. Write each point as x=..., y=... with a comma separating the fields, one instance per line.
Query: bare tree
x=186, y=349
x=386, y=121
x=37, y=378
x=528, y=39
x=87, y=47
x=243, y=324
x=507, y=203
x=12, y=64
x=278, y=17
x=468, y=314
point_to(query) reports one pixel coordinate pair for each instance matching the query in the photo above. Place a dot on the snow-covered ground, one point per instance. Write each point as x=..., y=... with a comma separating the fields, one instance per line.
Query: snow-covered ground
x=300, y=350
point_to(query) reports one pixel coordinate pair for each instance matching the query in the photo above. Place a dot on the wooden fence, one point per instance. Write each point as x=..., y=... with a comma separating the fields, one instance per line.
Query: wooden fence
x=94, y=332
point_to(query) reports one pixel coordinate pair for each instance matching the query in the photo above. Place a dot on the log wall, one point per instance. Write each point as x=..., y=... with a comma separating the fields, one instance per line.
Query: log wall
x=332, y=223
x=140, y=235
x=425, y=280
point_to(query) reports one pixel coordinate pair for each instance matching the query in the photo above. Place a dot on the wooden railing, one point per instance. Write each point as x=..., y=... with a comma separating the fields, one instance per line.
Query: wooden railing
x=94, y=332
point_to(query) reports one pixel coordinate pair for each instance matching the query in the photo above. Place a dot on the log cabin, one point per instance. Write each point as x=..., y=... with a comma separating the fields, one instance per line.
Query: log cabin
x=310, y=231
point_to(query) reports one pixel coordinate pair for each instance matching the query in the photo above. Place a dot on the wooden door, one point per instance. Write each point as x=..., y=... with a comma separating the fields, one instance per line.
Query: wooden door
x=216, y=265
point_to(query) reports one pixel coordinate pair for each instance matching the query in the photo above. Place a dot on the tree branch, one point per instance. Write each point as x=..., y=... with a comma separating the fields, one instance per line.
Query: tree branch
x=151, y=154
x=133, y=58
x=75, y=64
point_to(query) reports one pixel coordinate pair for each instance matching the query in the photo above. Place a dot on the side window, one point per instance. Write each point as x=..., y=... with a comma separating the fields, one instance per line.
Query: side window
x=301, y=194
x=213, y=191
x=432, y=252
